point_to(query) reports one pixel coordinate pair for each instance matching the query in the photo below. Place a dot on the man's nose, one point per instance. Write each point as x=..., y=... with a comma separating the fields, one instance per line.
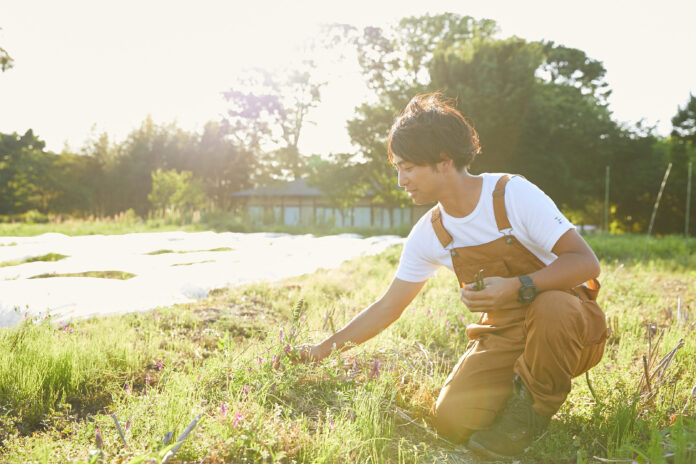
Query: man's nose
x=401, y=178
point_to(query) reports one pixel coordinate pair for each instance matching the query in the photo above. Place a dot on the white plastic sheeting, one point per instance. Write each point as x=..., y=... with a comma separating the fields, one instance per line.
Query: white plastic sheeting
x=162, y=279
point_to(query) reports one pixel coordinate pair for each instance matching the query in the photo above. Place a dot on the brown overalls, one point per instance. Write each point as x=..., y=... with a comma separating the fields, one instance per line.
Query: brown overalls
x=558, y=336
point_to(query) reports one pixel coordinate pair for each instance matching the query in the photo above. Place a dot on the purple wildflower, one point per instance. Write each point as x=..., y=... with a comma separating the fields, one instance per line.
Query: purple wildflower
x=160, y=366
x=145, y=390
x=127, y=388
x=375, y=370
x=331, y=424
x=127, y=424
x=260, y=360
x=98, y=439
x=282, y=335
x=430, y=310
x=237, y=419
x=440, y=313
x=71, y=330
x=223, y=408
x=199, y=378
x=246, y=390
x=355, y=365
x=147, y=380
x=288, y=348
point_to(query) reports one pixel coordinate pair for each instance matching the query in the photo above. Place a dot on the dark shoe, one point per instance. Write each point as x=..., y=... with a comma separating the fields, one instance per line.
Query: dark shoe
x=515, y=429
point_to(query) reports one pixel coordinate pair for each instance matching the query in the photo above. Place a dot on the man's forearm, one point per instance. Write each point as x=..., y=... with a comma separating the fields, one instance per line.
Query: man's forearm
x=371, y=321
x=568, y=271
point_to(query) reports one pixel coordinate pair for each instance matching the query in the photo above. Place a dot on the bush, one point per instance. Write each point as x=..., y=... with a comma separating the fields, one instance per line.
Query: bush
x=34, y=217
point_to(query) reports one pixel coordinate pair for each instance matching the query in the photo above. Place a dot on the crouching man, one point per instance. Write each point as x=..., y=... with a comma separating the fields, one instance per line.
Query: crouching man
x=539, y=324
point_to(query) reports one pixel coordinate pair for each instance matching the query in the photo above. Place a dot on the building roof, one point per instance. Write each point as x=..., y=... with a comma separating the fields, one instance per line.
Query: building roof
x=295, y=188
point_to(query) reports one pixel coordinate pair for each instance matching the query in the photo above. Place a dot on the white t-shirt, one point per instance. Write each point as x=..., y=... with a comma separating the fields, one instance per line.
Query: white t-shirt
x=536, y=222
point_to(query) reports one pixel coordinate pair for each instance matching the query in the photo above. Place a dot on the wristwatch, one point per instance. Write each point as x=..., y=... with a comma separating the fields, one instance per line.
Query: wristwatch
x=527, y=291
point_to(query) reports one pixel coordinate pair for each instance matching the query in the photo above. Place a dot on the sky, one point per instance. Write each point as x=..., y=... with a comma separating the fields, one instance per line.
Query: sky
x=84, y=67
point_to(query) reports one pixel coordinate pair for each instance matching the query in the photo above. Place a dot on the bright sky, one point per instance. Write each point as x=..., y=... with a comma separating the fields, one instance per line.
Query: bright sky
x=85, y=63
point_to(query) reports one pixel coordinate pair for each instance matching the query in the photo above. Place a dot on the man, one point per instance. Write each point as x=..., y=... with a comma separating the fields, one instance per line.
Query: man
x=539, y=323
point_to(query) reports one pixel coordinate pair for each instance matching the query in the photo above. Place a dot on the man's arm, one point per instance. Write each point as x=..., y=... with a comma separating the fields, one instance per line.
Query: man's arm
x=371, y=321
x=576, y=263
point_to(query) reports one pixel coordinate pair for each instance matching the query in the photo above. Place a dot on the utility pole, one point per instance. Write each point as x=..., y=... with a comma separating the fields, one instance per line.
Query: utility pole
x=606, y=202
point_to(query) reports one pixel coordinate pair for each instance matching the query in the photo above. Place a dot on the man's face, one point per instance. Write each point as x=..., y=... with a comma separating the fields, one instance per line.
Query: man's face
x=420, y=182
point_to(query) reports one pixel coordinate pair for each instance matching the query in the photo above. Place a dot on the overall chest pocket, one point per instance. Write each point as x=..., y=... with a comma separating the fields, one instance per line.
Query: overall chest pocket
x=466, y=271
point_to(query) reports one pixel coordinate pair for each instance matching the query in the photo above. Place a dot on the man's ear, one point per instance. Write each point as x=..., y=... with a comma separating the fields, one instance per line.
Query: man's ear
x=447, y=162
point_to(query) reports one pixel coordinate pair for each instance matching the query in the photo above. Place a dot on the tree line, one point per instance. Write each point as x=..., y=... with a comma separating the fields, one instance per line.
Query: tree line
x=540, y=109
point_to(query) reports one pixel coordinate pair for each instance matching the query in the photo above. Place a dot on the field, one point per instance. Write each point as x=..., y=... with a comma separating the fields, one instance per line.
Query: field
x=224, y=358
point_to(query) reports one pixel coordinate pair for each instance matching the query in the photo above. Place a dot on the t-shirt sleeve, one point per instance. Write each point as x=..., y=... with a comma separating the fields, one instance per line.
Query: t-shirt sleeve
x=415, y=265
x=534, y=215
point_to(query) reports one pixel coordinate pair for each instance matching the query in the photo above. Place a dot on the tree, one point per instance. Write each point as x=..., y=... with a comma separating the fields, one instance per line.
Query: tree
x=340, y=179
x=684, y=122
x=538, y=107
x=493, y=82
x=6, y=61
x=23, y=167
x=223, y=166
x=145, y=149
x=176, y=191
x=268, y=111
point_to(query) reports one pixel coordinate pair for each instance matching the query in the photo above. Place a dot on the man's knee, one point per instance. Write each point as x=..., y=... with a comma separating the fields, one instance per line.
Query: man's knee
x=555, y=313
x=448, y=423
x=456, y=421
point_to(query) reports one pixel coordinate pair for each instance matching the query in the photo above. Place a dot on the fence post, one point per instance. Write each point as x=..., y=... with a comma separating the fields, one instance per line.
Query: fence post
x=606, y=202
x=659, y=196
x=688, y=201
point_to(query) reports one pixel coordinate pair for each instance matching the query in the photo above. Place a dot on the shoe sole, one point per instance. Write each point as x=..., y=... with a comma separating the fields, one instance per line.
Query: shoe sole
x=485, y=452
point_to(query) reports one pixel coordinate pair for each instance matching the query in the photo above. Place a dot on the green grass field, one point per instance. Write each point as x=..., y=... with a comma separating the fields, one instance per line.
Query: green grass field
x=225, y=358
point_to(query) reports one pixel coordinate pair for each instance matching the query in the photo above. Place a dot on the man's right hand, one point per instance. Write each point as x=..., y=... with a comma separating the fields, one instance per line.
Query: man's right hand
x=307, y=353
x=365, y=325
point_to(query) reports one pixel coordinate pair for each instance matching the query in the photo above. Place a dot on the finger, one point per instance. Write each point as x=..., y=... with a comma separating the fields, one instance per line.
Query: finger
x=476, y=306
x=474, y=295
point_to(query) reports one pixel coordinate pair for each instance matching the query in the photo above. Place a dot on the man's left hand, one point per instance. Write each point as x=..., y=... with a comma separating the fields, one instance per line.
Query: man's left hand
x=499, y=293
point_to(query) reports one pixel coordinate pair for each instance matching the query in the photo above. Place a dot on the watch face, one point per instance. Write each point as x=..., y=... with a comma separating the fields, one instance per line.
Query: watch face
x=528, y=293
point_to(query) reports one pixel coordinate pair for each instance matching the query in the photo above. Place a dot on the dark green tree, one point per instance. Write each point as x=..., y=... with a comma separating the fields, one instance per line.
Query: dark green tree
x=23, y=167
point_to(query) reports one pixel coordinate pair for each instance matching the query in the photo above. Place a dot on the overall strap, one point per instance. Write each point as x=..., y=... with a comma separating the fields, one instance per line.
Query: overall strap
x=442, y=235
x=501, y=218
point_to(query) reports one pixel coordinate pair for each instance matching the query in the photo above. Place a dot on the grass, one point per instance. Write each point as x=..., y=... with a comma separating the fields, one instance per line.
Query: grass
x=49, y=257
x=219, y=222
x=225, y=357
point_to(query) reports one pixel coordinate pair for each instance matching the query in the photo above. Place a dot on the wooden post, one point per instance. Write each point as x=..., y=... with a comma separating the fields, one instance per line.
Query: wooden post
x=659, y=196
x=606, y=201
x=688, y=201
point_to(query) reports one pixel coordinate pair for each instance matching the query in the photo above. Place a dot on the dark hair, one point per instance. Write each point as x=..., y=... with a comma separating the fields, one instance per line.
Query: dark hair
x=428, y=126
